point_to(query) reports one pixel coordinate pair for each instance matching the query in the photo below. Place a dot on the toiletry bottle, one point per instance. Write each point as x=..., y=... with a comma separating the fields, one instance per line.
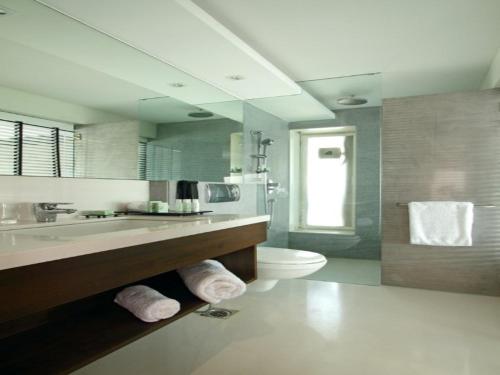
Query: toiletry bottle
x=179, y=196
x=186, y=196
x=195, y=201
x=186, y=205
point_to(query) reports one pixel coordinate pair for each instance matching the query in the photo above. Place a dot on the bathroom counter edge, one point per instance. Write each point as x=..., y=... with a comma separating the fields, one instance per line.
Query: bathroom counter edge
x=28, y=250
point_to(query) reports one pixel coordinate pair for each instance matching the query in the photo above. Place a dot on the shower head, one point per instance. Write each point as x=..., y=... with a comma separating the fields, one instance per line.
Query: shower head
x=266, y=143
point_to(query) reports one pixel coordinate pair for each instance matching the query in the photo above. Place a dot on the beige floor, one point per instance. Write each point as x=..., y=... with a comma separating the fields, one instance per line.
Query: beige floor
x=314, y=327
x=349, y=271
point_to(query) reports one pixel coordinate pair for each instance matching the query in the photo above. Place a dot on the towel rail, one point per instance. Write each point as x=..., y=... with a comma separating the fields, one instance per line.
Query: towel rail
x=399, y=204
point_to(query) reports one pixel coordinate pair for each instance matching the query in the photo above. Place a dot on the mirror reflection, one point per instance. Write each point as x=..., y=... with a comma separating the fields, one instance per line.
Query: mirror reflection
x=185, y=142
x=64, y=113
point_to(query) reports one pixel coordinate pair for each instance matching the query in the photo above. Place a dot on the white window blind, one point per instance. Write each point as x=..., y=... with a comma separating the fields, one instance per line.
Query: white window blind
x=32, y=150
x=142, y=161
x=39, y=151
x=9, y=148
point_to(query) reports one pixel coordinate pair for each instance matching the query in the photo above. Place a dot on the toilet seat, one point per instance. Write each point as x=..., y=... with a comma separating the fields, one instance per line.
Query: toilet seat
x=274, y=264
x=279, y=256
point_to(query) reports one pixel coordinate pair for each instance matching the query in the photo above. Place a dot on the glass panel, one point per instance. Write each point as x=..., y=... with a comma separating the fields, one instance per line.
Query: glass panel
x=67, y=153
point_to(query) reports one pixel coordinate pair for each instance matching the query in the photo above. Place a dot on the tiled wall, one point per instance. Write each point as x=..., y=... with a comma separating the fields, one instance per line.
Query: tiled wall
x=107, y=150
x=197, y=150
x=365, y=243
x=442, y=147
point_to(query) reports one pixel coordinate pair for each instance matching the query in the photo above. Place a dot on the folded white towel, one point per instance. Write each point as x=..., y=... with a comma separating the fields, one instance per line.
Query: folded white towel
x=441, y=223
x=146, y=303
x=211, y=281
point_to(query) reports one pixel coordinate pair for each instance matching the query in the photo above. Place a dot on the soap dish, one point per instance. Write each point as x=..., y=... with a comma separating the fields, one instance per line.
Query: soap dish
x=98, y=214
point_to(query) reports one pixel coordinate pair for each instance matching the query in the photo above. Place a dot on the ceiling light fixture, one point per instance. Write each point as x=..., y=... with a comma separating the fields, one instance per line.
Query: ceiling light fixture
x=351, y=100
x=201, y=113
x=177, y=84
x=236, y=77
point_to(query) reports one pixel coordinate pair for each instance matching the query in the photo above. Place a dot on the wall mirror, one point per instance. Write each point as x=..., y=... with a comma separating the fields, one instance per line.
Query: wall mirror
x=186, y=142
x=90, y=106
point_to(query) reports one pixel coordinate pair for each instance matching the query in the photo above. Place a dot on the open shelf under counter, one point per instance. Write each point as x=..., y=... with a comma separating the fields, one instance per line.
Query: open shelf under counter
x=66, y=330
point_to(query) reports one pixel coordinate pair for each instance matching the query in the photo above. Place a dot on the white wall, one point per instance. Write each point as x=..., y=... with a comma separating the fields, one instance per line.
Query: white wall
x=247, y=205
x=97, y=194
x=85, y=194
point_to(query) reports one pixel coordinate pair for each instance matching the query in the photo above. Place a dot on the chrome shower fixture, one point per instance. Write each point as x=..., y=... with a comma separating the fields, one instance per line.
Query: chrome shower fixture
x=261, y=157
x=265, y=143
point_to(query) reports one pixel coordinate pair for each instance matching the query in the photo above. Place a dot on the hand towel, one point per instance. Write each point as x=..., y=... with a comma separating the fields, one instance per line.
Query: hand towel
x=441, y=223
x=146, y=303
x=211, y=281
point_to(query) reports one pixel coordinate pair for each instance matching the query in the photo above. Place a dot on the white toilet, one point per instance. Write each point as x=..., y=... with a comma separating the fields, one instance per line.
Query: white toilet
x=274, y=264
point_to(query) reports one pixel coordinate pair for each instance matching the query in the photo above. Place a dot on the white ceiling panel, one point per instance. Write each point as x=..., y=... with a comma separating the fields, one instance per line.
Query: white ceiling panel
x=329, y=90
x=180, y=33
x=43, y=29
x=302, y=107
x=421, y=47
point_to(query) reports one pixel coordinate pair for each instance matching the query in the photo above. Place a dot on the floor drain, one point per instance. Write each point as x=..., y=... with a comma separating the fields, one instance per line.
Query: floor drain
x=216, y=312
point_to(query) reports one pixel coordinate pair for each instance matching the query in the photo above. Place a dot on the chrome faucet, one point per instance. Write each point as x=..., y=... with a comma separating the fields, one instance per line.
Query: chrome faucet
x=47, y=212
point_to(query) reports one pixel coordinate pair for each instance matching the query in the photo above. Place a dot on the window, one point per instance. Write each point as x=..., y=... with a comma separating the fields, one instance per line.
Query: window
x=323, y=164
x=142, y=161
x=32, y=150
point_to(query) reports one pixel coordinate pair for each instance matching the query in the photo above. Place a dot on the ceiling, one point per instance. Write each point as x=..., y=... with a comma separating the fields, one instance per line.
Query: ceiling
x=420, y=47
x=184, y=36
x=326, y=48
x=110, y=68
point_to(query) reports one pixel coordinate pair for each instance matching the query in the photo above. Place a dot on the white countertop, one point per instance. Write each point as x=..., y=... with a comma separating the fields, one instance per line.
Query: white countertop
x=25, y=244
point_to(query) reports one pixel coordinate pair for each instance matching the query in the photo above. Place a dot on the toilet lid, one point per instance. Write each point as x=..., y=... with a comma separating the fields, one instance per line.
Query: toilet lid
x=274, y=255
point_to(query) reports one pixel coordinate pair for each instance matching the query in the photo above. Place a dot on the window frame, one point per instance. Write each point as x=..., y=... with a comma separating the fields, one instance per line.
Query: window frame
x=298, y=174
x=57, y=135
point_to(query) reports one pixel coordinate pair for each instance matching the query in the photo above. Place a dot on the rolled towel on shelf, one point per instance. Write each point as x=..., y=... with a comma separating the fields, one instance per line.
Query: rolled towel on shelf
x=147, y=304
x=211, y=281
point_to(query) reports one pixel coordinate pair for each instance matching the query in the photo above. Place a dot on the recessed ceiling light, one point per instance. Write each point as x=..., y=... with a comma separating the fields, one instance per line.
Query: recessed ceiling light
x=177, y=84
x=236, y=77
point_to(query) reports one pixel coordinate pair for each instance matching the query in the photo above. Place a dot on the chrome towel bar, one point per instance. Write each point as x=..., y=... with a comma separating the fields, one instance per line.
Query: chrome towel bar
x=476, y=205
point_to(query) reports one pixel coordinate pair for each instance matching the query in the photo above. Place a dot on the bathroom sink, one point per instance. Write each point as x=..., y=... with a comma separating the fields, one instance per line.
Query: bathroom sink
x=87, y=229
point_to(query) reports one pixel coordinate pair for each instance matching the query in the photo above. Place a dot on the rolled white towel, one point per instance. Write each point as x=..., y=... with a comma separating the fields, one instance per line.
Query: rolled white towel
x=211, y=281
x=146, y=303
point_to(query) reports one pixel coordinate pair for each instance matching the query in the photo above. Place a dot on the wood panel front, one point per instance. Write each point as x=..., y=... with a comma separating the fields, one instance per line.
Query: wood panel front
x=39, y=287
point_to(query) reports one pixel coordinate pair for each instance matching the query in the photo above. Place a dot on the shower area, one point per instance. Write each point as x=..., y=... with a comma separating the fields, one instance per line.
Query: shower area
x=336, y=197
x=320, y=181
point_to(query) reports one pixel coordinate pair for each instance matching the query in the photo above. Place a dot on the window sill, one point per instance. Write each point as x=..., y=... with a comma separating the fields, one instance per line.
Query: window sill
x=324, y=231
